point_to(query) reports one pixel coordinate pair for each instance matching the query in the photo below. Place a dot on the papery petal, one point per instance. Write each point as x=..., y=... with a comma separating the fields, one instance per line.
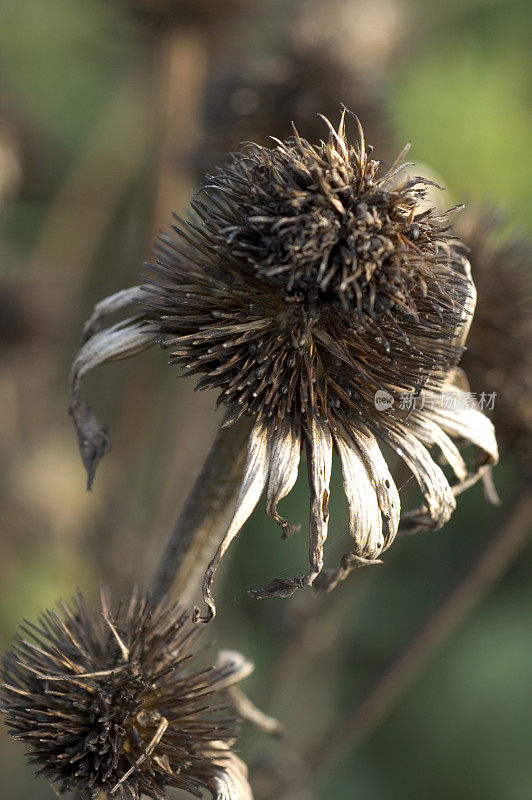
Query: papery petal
x=469, y=305
x=430, y=477
x=430, y=433
x=253, y=483
x=125, y=300
x=284, y=465
x=234, y=668
x=231, y=781
x=373, y=499
x=123, y=340
x=467, y=422
x=385, y=488
x=365, y=521
x=319, y=462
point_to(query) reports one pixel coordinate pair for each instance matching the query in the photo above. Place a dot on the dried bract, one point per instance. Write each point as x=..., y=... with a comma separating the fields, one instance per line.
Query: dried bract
x=108, y=703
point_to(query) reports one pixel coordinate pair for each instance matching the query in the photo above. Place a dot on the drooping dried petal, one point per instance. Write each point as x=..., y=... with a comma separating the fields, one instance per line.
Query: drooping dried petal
x=284, y=464
x=254, y=481
x=102, y=345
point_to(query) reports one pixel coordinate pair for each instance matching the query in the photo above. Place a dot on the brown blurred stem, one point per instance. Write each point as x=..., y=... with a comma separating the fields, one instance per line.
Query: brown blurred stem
x=181, y=56
x=205, y=514
x=384, y=694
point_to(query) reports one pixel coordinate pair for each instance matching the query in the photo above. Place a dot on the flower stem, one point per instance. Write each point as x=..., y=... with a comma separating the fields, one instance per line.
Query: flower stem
x=205, y=514
x=384, y=694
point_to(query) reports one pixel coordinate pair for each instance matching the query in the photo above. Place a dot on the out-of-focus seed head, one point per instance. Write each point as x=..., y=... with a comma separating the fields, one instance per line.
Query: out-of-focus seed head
x=107, y=701
x=166, y=12
x=249, y=99
x=307, y=282
x=499, y=347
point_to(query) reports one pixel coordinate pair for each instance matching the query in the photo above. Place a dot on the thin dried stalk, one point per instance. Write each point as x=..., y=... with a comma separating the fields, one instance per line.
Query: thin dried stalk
x=180, y=73
x=205, y=515
x=387, y=690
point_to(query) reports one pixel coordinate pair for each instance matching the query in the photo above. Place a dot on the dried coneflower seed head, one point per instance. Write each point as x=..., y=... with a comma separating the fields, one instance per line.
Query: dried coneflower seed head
x=498, y=360
x=161, y=13
x=247, y=99
x=323, y=296
x=307, y=283
x=110, y=706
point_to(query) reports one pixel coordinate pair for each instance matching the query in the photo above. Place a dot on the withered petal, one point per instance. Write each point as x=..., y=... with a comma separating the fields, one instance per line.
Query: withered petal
x=365, y=520
x=468, y=423
x=253, y=483
x=231, y=782
x=124, y=300
x=385, y=488
x=122, y=340
x=430, y=433
x=284, y=464
x=319, y=462
x=436, y=491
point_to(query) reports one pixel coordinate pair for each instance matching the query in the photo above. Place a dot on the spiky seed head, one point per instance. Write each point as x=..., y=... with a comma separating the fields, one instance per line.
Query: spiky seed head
x=306, y=282
x=108, y=703
x=499, y=347
x=249, y=99
x=160, y=13
x=310, y=285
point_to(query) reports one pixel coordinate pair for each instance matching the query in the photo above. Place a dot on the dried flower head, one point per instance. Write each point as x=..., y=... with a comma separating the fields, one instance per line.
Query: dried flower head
x=248, y=99
x=161, y=13
x=499, y=352
x=317, y=293
x=108, y=704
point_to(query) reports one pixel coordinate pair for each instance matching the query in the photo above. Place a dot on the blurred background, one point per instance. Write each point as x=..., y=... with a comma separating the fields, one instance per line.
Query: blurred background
x=110, y=114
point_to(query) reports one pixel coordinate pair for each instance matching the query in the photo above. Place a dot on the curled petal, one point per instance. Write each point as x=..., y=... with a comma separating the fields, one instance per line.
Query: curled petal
x=470, y=303
x=253, y=483
x=365, y=521
x=385, y=488
x=374, y=504
x=467, y=422
x=319, y=461
x=234, y=667
x=284, y=465
x=230, y=782
x=439, y=498
x=430, y=433
x=123, y=340
x=125, y=300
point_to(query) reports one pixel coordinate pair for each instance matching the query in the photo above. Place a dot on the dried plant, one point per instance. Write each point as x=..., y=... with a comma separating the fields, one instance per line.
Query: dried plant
x=109, y=705
x=249, y=99
x=499, y=351
x=160, y=13
x=306, y=289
